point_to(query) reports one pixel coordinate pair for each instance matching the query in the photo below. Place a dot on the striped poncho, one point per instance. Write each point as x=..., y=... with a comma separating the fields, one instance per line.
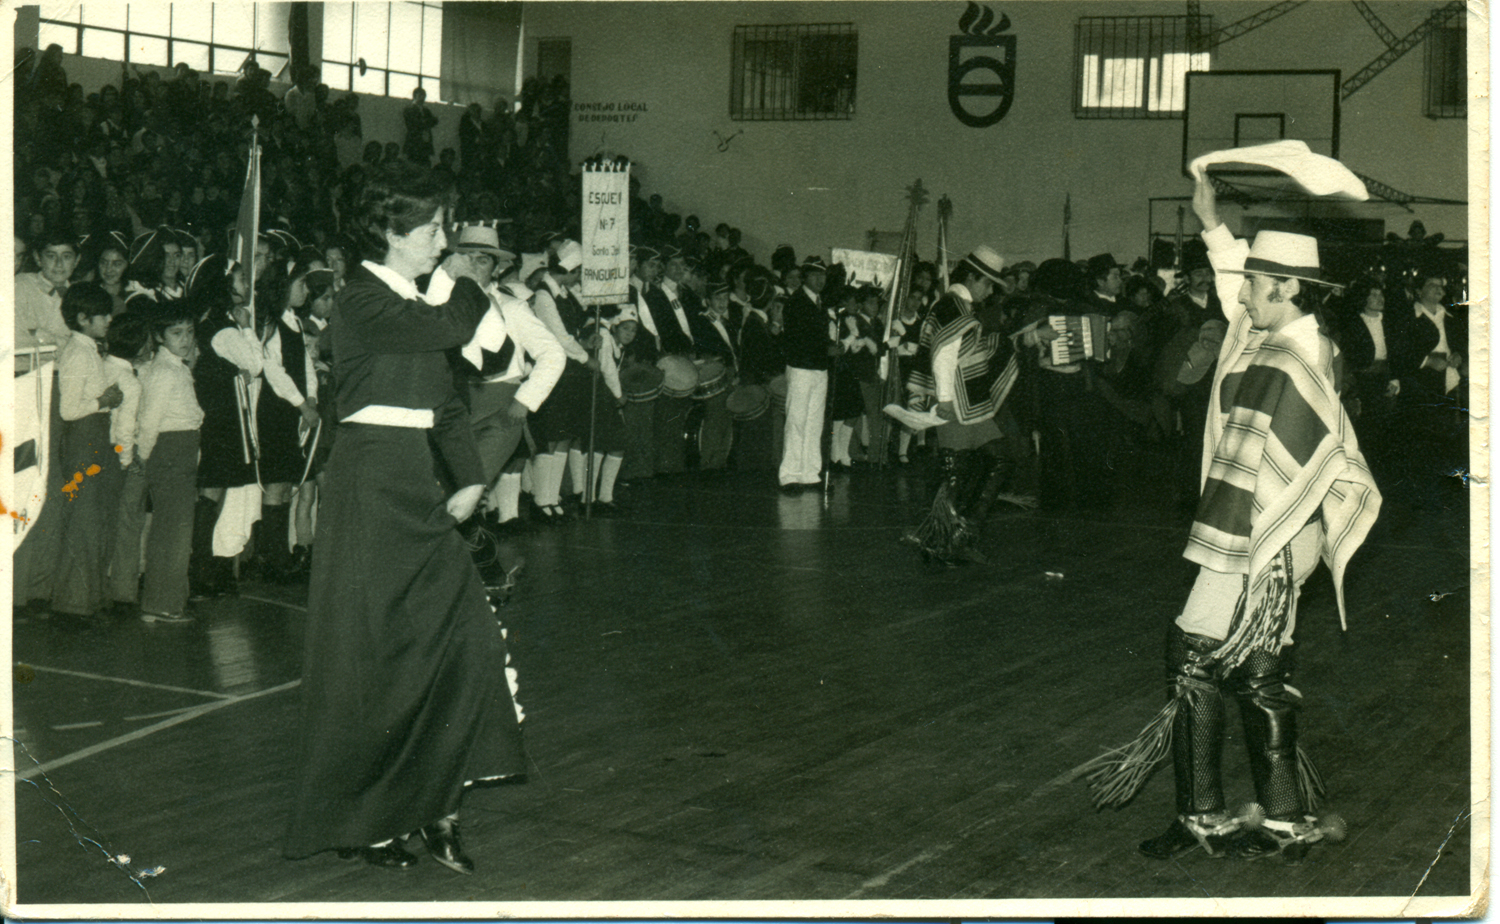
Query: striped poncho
x=987, y=367
x=1279, y=451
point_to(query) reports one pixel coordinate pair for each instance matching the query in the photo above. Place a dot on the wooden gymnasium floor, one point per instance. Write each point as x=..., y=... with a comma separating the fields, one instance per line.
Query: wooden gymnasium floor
x=735, y=694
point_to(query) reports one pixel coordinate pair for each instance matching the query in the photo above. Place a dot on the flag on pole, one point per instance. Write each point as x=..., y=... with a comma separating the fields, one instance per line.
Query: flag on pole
x=247, y=229
x=945, y=209
x=1067, y=221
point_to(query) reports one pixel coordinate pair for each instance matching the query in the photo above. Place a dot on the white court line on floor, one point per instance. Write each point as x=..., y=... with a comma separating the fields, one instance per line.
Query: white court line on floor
x=125, y=680
x=290, y=606
x=148, y=730
x=158, y=715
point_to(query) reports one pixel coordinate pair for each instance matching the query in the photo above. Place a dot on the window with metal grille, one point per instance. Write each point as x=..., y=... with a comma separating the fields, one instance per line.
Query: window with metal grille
x=788, y=73
x=1445, y=61
x=1135, y=67
x=388, y=49
x=213, y=38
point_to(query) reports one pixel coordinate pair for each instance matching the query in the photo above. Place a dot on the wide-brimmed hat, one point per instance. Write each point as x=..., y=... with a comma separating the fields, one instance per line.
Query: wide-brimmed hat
x=1282, y=253
x=1101, y=264
x=482, y=239
x=985, y=261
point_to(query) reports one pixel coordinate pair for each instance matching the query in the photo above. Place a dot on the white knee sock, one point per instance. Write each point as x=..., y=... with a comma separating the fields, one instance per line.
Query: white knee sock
x=528, y=476
x=508, y=496
x=578, y=470
x=838, y=452
x=549, y=477
x=608, y=472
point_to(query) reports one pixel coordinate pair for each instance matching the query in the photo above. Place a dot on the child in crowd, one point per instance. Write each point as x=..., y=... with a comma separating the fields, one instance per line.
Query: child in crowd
x=130, y=349
x=168, y=446
x=92, y=476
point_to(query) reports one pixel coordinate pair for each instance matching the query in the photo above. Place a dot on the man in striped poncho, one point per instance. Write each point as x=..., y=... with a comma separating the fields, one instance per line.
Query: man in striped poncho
x=1284, y=484
x=967, y=371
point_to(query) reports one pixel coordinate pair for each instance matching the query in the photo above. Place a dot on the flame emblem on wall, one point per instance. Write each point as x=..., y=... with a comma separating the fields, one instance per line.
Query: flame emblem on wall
x=980, y=32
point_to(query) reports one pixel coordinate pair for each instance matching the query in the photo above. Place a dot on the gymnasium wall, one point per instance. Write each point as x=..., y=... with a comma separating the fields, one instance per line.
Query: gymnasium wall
x=818, y=185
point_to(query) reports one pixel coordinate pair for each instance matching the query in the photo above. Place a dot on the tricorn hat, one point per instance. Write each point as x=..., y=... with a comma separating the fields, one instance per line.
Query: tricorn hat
x=812, y=264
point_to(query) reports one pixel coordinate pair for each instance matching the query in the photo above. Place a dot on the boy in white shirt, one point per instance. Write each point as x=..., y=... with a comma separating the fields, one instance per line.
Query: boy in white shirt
x=168, y=445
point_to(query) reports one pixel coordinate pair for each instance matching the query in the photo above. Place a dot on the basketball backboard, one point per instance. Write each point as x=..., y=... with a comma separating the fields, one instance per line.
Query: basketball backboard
x=1232, y=109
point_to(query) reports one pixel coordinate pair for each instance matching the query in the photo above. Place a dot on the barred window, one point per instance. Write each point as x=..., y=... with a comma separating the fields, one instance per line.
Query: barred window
x=214, y=38
x=1445, y=56
x=788, y=73
x=386, y=49
x=1135, y=67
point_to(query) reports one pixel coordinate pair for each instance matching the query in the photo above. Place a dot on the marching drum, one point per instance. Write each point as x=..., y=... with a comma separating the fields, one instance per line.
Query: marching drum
x=713, y=379
x=640, y=382
x=777, y=387
x=748, y=402
x=679, y=376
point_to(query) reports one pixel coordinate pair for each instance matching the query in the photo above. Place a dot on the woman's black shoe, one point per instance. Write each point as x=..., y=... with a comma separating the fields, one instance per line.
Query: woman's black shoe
x=390, y=856
x=442, y=843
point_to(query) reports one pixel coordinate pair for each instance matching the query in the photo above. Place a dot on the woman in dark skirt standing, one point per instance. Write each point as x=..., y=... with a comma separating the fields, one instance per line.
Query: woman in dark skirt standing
x=406, y=698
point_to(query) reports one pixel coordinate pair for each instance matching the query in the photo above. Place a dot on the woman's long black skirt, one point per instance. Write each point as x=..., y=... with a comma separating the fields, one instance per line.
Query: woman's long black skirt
x=404, y=690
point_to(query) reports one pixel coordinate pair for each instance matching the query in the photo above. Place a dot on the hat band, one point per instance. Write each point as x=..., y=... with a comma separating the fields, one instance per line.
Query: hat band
x=993, y=275
x=1270, y=268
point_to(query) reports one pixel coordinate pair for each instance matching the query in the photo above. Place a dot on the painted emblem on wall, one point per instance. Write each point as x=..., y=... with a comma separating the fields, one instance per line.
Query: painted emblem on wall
x=966, y=54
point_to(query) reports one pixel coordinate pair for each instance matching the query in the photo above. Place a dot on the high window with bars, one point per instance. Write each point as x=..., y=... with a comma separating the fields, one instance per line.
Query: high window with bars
x=1135, y=67
x=1445, y=59
x=388, y=49
x=790, y=73
x=213, y=38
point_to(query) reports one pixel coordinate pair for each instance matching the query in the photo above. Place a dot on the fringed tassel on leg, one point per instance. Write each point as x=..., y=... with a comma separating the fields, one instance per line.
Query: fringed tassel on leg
x=1309, y=782
x=1118, y=774
x=940, y=530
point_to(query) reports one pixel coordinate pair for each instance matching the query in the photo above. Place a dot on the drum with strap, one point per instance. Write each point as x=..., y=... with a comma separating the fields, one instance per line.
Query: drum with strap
x=777, y=388
x=640, y=382
x=679, y=376
x=747, y=402
x=713, y=379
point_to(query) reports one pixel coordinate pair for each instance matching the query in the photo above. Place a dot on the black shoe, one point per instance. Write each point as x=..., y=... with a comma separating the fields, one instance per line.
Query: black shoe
x=390, y=856
x=792, y=489
x=1179, y=839
x=301, y=564
x=442, y=843
x=1252, y=843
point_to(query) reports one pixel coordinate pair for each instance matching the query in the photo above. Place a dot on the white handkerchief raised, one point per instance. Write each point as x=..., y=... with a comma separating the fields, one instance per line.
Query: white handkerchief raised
x=913, y=420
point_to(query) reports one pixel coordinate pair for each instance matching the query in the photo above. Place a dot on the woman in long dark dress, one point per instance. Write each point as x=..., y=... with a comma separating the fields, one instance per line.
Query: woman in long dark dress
x=406, y=698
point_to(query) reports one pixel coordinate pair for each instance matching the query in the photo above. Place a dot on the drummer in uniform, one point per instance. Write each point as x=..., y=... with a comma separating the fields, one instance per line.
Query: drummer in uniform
x=760, y=365
x=674, y=332
x=640, y=379
x=718, y=361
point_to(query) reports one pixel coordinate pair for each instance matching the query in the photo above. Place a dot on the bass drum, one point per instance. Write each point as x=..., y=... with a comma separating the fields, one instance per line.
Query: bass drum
x=748, y=402
x=713, y=379
x=777, y=388
x=679, y=376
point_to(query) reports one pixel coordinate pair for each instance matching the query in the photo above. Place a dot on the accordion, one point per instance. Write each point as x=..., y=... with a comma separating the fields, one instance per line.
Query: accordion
x=1083, y=336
